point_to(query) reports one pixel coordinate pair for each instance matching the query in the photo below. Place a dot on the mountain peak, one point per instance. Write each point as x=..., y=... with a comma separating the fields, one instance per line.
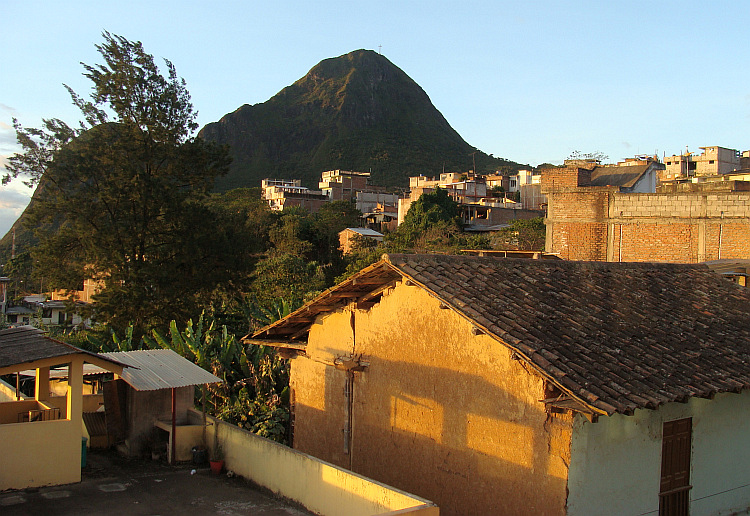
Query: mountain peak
x=357, y=111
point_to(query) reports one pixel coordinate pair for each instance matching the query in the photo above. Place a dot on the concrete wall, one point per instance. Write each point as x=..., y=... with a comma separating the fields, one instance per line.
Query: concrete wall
x=439, y=412
x=596, y=224
x=44, y=452
x=320, y=487
x=147, y=407
x=40, y=453
x=615, y=463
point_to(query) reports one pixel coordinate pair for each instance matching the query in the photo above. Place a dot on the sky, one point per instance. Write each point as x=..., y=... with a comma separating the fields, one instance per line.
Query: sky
x=530, y=81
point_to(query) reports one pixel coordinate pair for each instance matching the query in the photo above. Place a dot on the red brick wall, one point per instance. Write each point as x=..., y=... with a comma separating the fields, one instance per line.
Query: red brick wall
x=735, y=240
x=654, y=242
x=665, y=227
x=565, y=177
x=580, y=240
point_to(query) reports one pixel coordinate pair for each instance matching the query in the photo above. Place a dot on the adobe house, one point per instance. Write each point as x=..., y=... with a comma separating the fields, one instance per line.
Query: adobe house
x=40, y=438
x=504, y=386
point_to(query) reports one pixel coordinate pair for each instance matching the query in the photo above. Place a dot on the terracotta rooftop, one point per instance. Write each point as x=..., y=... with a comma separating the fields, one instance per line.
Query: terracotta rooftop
x=613, y=337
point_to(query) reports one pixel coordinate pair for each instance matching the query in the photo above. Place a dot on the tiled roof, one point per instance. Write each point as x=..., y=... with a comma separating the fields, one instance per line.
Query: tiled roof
x=615, y=336
x=26, y=344
x=624, y=176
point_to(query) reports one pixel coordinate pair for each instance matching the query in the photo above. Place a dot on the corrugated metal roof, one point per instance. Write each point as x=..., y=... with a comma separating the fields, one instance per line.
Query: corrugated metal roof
x=160, y=369
x=366, y=232
x=88, y=369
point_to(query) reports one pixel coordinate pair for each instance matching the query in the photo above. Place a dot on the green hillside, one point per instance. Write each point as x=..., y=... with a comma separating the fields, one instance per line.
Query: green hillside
x=354, y=112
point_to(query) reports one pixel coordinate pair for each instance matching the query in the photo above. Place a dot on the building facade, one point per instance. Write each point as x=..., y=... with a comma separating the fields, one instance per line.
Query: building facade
x=689, y=224
x=712, y=161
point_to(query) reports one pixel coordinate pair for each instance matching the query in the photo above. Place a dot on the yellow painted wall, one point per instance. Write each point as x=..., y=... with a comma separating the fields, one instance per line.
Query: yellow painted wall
x=8, y=392
x=440, y=412
x=44, y=452
x=39, y=454
x=9, y=411
x=320, y=487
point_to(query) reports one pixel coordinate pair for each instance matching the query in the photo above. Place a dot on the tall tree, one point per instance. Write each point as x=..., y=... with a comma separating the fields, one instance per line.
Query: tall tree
x=121, y=198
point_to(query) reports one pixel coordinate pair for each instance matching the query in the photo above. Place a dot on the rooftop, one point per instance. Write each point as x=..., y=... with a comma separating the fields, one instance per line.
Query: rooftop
x=614, y=337
x=113, y=485
x=625, y=176
x=26, y=344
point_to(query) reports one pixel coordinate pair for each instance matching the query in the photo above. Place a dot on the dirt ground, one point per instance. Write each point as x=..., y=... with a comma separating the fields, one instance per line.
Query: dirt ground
x=114, y=485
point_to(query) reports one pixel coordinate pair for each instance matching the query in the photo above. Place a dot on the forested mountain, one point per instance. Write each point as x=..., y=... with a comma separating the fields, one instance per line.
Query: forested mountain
x=354, y=112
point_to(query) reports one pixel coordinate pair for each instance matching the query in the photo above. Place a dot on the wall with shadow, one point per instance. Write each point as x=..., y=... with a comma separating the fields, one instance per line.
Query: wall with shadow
x=439, y=412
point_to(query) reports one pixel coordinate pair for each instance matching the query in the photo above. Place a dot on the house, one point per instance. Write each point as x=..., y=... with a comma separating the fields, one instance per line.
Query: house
x=503, y=386
x=282, y=193
x=40, y=438
x=712, y=161
x=350, y=237
x=479, y=210
x=148, y=404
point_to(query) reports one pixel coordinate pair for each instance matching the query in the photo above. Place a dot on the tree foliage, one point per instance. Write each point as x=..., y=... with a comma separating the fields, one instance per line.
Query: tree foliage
x=523, y=235
x=587, y=156
x=122, y=198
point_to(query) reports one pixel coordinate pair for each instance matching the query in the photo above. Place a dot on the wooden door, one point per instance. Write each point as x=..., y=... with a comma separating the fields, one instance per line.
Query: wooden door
x=674, y=490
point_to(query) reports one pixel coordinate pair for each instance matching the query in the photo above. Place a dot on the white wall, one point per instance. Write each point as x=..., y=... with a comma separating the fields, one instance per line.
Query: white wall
x=616, y=463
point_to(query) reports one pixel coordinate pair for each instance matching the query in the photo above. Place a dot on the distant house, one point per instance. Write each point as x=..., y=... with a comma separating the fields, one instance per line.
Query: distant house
x=349, y=237
x=502, y=386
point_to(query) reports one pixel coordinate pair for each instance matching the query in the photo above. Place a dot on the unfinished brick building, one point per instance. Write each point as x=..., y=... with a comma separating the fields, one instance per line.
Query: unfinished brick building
x=605, y=220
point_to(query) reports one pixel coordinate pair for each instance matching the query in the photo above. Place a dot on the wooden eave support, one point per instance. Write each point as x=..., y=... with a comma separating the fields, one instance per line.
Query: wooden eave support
x=350, y=364
x=564, y=403
x=286, y=344
x=377, y=292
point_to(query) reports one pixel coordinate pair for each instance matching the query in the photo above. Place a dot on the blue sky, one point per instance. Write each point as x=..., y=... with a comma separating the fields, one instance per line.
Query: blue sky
x=529, y=81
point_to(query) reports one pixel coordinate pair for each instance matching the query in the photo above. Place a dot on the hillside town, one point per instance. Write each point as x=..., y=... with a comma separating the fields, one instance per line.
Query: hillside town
x=484, y=337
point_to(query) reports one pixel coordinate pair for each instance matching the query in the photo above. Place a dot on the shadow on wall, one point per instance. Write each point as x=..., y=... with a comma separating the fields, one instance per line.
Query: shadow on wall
x=448, y=436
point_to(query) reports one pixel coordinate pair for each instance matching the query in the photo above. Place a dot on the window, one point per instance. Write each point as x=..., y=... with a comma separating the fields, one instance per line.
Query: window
x=674, y=489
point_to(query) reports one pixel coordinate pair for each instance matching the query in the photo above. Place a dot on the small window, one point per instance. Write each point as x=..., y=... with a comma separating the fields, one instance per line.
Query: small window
x=710, y=162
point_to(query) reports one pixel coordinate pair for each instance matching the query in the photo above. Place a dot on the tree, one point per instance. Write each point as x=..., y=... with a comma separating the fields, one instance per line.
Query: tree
x=434, y=211
x=524, y=235
x=588, y=156
x=121, y=199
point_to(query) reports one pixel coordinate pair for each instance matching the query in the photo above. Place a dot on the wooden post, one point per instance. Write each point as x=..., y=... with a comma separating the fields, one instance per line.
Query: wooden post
x=203, y=393
x=174, y=426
